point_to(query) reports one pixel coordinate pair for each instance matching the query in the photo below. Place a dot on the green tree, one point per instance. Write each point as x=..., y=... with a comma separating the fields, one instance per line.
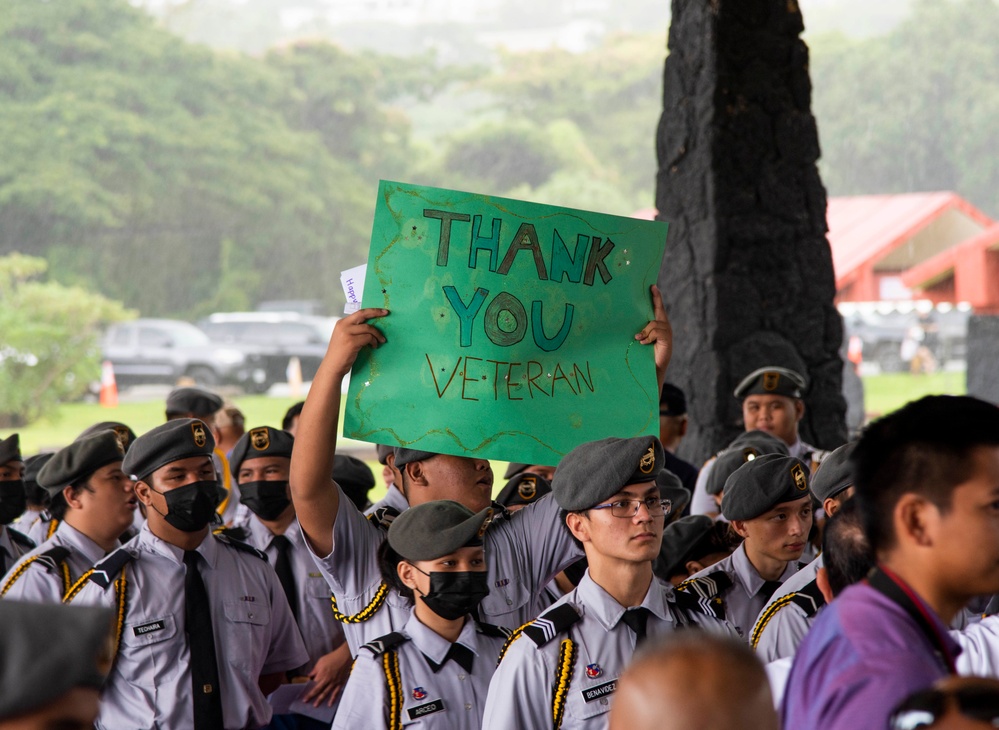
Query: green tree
x=49, y=350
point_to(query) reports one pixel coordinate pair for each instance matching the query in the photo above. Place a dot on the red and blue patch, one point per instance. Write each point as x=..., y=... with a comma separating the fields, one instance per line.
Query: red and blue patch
x=419, y=693
x=593, y=671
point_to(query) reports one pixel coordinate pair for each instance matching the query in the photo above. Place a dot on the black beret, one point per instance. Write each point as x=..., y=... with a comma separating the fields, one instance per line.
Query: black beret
x=354, y=477
x=198, y=401
x=524, y=488
x=671, y=488
x=404, y=456
x=835, y=473
x=672, y=401
x=172, y=441
x=513, y=469
x=772, y=380
x=678, y=539
x=33, y=465
x=383, y=452
x=48, y=649
x=761, y=484
x=125, y=434
x=10, y=449
x=596, y=471
x=258, y=442
x=434, y=529
x=79, y=460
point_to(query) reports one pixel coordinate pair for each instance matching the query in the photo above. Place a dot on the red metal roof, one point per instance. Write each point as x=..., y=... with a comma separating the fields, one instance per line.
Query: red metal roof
x=865, y=228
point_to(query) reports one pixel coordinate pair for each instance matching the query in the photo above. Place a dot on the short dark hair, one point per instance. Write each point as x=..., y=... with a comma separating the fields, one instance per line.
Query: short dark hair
x=388, y=564
x=846, y=554
x=290, y=414
x=922, y=448
x=56, y=504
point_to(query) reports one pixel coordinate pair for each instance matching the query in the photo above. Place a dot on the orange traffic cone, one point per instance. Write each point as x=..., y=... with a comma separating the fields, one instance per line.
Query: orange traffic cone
x=109, y=388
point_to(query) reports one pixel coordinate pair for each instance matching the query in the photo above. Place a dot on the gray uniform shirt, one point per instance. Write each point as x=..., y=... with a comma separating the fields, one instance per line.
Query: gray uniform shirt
x=12, y=550
x=782, y=624
x=743, y=599
x=702, y=503
x=45, y=582
x=393, y=498
x=520, y=694
x=449, y=699
x=523, y=552
x=255, y=633
x=321, y=632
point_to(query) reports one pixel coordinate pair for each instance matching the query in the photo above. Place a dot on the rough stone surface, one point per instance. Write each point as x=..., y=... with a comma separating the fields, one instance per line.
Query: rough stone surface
x=748, y=274
x=983, y=356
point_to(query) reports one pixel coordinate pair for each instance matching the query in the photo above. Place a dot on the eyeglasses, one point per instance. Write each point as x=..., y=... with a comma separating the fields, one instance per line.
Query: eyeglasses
x=923, y=709
x=629, y=507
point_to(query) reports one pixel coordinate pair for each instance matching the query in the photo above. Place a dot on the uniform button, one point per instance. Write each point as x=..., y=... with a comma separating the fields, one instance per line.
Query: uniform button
x=461, y=677
x=249, y=615
x=468, y=706
x=603, y=701
x=509, y=602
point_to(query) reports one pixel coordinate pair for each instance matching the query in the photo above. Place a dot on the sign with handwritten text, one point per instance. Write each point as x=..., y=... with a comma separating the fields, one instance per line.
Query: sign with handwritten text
x=511, y=333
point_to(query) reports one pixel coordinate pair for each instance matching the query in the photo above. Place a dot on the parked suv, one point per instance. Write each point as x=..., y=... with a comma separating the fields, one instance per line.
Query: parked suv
x=164, y=350
x=275, y=338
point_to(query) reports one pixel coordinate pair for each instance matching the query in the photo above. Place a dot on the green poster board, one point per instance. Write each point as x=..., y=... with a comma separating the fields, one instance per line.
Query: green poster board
x=511, y=333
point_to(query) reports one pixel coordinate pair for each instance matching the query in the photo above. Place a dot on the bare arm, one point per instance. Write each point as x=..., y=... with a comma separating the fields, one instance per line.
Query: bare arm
x=659, y=332
x=316, y=500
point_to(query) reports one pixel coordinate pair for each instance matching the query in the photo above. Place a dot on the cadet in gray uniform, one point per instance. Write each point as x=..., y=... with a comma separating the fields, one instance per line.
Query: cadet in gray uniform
x=692, y=544
x=561, y=669
x=435, y=672
x=260, y=462
x=53, y=661
x=204, y=630
x=789, y=614
x=768, y=504
x=771, y=400
x=13, y=544
x=34, y=495
x=745, y=447
x=92, y=500
x=394, y=497
x=526, y=551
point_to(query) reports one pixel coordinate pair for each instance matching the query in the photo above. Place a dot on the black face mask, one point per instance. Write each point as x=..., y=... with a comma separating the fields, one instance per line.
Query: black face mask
x=453, y=595
x=267, y=500
x=192, y=507
x=12, y=500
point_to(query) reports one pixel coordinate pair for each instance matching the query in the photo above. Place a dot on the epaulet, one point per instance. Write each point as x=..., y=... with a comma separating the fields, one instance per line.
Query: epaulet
x=551, y=623
x=21, y=539
x=385, y=643
x=105, y=572
x=384, y=516
x=692, y=602
x=242, y=546
x=53, y=557
x=497, y=632
x=500, y=512
x=233, y=533
x=707, y=586
x=809, y=598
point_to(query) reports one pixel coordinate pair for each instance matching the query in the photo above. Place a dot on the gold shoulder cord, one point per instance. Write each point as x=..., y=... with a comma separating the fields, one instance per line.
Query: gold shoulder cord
x=393, y=685
x=17, y=574
x=122, y=601
x=67, y=580
x=365, y=613
x=765, y=618
x=563, y=677
x=514, y=635
x=77, y=587
x=53, y=526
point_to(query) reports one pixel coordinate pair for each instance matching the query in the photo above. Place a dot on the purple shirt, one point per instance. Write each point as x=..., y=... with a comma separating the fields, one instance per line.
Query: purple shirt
x=863, y=656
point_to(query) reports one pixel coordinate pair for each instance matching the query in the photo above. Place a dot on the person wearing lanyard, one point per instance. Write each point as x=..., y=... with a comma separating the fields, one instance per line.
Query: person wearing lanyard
x=927, y=487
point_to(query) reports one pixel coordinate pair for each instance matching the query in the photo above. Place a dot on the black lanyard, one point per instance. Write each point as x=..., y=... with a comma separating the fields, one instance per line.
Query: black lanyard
x=895, y=589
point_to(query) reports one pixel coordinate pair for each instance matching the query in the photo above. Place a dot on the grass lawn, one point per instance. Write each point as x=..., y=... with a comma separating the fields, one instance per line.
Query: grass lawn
x=887, y=392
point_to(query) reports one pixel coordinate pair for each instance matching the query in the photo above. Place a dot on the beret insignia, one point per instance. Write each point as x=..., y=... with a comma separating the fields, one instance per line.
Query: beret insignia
x=648, y=461
x=122, y=433
x=528, y=488
x=485, y=523
x=198, y=431
x=749, y=453
x=771, y=380
x=800, y=482
x=260, y=439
